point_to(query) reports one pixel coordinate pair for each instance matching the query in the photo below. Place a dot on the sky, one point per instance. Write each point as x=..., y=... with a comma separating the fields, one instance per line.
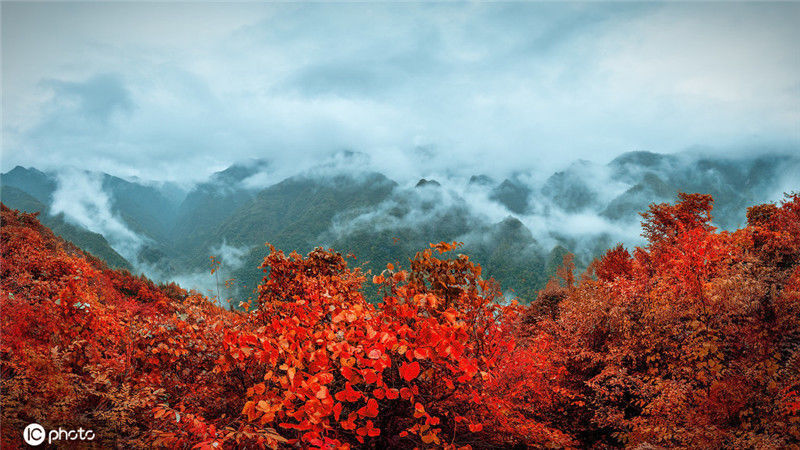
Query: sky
x=177, y=91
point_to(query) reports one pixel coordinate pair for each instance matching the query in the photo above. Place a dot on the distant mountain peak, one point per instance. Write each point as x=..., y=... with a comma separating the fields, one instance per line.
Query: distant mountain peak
x=639, y=158
x=481, y=180
x=423, y=182
x=238, y=172
x=35, y=182
x=512, y=195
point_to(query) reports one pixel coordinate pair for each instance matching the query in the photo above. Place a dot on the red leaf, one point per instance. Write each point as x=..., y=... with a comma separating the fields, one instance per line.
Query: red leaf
x=409, y=371
x=348, y=394
x=476, y=427
x=421, y=353
x=337, y=411
x=370, y=377
x=371, y=410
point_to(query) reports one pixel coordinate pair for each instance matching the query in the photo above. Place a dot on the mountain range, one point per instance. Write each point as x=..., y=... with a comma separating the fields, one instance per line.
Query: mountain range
x=518, y=228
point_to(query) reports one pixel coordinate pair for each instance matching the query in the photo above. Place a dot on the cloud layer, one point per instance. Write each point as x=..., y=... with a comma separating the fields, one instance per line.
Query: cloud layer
x=421, y=88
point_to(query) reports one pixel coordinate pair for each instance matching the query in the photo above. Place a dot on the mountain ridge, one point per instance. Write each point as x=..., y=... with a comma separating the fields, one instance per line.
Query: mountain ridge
x=366, y=212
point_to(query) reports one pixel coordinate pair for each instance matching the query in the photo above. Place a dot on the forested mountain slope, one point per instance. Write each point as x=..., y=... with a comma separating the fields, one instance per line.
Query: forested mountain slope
x=93, y=243
x=584, y=209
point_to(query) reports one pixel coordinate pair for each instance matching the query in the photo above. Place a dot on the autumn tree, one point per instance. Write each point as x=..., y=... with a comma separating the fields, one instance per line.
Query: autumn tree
x=683, y=343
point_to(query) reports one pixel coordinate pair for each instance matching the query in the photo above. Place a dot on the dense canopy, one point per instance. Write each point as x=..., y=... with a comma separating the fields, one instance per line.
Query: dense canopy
x=690, y=341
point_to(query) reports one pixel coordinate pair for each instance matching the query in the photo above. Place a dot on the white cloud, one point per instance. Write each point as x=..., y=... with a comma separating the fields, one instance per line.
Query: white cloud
x=82, y=200
x=492, y=88
x=230, y=256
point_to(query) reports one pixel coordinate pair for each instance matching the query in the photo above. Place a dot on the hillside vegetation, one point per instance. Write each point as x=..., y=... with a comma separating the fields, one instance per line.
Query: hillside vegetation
x=93, y=243
x=692, y=341
x=516, y=227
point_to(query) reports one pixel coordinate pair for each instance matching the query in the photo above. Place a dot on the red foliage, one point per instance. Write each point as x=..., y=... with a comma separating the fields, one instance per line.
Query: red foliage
x=691, y=341
x=615, y=263
x=418, y=369
x=85, y=346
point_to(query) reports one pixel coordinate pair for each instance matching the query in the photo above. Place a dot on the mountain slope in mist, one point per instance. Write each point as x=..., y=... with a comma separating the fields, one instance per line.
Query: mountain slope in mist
x=207, y=205
x=517, y=228
x=734, y=182
x=93, y=243
x=148, y=209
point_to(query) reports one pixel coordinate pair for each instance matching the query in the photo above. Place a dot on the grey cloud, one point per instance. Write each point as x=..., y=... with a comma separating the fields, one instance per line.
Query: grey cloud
x=98, y=97
x=342, y=78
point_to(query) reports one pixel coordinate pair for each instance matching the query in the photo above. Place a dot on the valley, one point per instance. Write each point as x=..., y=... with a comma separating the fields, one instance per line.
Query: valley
x=517, y=228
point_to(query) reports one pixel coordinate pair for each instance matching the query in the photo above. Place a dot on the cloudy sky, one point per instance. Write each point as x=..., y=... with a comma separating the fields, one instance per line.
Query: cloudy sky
x=179, y=90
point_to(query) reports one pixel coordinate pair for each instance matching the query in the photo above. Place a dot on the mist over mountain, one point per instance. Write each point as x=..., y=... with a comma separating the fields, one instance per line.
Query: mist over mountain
x=379, y=128
x=517, y=227
x=93, y=243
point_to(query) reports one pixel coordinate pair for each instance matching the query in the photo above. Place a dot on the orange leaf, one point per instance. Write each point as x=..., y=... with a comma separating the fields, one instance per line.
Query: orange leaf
x=249, y=410
x=322, y=393
x=422, y=353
